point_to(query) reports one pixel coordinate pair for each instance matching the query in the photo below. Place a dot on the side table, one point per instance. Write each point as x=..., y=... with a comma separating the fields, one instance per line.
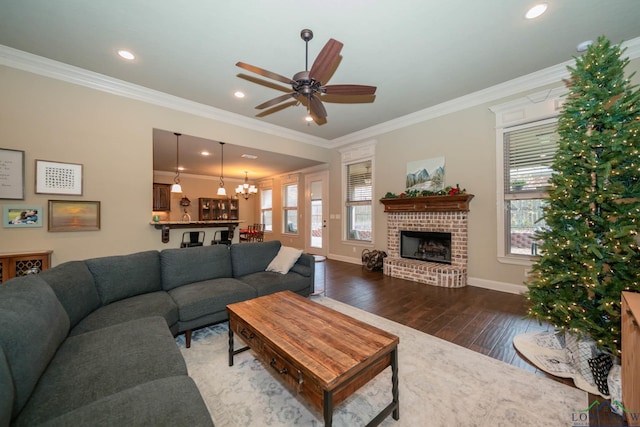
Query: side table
x=320, y=261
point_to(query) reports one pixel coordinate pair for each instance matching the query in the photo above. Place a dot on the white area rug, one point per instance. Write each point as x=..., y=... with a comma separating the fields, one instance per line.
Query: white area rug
x=441, y=384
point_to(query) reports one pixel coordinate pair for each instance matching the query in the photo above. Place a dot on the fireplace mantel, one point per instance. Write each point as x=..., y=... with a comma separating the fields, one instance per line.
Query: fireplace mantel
x=456, y=203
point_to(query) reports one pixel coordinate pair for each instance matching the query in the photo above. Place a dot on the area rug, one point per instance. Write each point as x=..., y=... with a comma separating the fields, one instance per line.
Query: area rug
x=441, y=384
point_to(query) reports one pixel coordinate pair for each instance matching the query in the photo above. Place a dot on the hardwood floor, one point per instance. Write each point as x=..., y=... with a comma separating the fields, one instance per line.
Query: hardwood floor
x=479, y=319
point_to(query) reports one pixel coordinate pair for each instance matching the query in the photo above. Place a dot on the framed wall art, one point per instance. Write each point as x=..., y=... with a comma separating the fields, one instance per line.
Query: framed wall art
x=58, y=178
x=11, y=174
x=425, y=174
x=20, y=216
x=70, y=215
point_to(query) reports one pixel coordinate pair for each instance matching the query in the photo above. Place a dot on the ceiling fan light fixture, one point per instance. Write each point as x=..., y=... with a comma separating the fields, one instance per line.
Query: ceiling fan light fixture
x=310, y=84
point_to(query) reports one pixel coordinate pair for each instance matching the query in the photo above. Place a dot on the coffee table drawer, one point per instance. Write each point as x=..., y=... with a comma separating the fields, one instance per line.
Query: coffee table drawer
x=283, y=367
x=247, y=334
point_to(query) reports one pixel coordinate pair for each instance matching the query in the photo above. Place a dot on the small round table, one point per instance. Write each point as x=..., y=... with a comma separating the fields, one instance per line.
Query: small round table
x=320, y=261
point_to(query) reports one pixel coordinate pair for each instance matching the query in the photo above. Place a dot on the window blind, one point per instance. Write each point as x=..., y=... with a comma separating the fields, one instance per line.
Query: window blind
x=528, y=157
x=359, y=189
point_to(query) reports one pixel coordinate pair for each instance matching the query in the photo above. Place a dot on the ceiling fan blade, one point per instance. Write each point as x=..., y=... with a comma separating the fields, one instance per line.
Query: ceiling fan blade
x=316, y=107
x=277, y=100
x=265, y=73
x=348, y=89
x=325, y=60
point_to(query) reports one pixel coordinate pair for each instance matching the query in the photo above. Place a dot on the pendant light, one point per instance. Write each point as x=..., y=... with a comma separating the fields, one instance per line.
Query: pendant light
x=245, y=190
x=176, y=187
x=221, y=190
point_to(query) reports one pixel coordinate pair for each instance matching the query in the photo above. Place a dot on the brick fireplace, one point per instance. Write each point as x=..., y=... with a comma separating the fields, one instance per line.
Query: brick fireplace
x=438, y=214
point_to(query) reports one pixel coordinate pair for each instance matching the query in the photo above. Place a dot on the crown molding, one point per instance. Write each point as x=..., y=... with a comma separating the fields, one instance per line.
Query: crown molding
x=35, y=64
x=54, y=69
x=532, y=81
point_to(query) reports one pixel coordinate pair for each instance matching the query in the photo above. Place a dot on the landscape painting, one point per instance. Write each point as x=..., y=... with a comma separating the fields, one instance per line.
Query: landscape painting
x=426, y=174
x=67, y=215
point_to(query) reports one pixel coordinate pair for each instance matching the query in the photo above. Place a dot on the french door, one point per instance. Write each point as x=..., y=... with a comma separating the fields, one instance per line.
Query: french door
x=316, y=216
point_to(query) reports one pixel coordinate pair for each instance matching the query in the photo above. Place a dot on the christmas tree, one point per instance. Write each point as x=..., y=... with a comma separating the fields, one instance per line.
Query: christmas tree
x=590, y=243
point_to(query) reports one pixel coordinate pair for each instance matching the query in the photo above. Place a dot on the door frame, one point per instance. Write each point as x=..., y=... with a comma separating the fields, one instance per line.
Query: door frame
x=308, y=179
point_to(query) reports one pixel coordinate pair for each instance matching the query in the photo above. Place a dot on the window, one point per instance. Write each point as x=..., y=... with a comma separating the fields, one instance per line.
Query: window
x=528, y=153
x=358, y=201
x=290, y=208
x=266, y=209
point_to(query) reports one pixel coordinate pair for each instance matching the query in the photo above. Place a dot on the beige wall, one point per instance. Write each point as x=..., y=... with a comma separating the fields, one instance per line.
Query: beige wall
x=467, y=141
x=111, y=137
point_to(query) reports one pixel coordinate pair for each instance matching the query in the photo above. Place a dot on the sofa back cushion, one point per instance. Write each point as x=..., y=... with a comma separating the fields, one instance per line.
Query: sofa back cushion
x=7, y=391
x=122, y=276
x=33, y=324
x=190, y=265
x=73, y=284
x=248, y=258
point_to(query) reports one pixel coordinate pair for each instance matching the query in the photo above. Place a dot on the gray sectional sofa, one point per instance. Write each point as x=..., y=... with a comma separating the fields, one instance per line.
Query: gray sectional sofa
x=92, y=342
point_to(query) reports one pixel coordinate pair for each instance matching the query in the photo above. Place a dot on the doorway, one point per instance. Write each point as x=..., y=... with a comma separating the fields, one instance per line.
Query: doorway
x=317, y=213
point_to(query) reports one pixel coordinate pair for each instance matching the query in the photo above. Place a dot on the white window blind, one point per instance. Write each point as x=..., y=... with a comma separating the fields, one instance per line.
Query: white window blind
x=359, y=183
x=528, y=156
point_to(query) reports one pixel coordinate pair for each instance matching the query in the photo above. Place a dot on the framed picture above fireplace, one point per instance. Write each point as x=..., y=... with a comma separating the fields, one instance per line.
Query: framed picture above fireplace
x=425, y=174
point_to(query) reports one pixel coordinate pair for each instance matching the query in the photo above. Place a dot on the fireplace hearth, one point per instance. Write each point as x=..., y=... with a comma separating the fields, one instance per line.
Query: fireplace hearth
x=408, y=220
x=426, y=246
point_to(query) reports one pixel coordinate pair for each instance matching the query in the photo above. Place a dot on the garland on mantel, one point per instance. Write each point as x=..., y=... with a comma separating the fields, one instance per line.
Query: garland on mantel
x=447, y=191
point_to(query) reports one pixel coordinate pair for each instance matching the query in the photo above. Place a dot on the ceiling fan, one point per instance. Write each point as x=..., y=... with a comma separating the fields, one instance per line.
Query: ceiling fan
x=308, y=85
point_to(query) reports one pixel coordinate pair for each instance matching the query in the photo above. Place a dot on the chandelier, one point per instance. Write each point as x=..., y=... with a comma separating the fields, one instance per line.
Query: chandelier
x=245, y=190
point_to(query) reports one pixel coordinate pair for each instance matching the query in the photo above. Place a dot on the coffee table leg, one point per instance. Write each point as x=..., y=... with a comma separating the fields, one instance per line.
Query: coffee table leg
x=395, y=391
x=328, y=408
x=230, y=346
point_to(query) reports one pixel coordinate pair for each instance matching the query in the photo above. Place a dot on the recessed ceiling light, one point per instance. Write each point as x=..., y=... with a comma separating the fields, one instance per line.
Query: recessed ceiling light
x=126, y=54
x=582, y=47
x=536, y=11
x=205, y=153
x=239, y=94
x=180, y=168
x=249, y=156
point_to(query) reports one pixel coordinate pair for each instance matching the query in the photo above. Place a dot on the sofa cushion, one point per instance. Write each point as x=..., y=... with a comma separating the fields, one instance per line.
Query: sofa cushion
x=202, y=298
x=247, y=258
x=146, y=305
x=269, y=282
x=122, y=276
x=173, y=401
x=284, y=260
x=73, y=284
x=7, y=391
x=97, y=364
x=190, y=265
x=33, y=323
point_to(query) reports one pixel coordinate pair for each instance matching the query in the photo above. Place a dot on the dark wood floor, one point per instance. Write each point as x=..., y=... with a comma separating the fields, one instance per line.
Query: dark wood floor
x=479, y=319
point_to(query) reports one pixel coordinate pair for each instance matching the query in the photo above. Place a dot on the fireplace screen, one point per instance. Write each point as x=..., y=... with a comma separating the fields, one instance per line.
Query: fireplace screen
x=426, y=246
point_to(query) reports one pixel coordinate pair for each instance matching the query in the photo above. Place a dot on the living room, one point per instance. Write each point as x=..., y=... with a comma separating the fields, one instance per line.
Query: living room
x=113, y=142
x=56, y=112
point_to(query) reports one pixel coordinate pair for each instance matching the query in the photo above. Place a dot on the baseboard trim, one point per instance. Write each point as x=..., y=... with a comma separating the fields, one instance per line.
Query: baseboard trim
x=496, y=286
x=350, y=260
x=471, y=281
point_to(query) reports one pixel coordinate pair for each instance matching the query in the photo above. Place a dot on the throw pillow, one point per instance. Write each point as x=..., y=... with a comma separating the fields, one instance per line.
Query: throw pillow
x=284, y=260
x=600, y=367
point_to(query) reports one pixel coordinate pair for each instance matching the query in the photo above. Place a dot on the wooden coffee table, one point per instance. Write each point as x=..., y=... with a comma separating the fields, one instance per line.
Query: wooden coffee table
x=324, y=355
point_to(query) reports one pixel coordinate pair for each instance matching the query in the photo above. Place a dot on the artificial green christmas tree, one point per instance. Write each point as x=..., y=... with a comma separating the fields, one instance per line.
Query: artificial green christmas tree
x=590, y=243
